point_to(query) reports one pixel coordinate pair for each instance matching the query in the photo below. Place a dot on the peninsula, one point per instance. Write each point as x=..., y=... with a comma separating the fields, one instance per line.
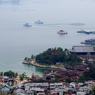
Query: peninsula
x=53, y=58
x=33, y=62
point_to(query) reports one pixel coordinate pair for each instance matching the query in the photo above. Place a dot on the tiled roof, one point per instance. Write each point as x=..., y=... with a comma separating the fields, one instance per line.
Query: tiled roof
x=82, y=49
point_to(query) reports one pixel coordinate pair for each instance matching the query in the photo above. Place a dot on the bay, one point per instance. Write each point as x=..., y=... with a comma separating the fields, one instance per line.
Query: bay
x=18, y=42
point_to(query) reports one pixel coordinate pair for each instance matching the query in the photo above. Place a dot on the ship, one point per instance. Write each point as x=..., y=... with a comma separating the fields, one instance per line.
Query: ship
x=86, y=32
x=89, y=41
x=38, y=22
x=27, y=25
x=61, y=32
x=77, y=24
x=80, y=31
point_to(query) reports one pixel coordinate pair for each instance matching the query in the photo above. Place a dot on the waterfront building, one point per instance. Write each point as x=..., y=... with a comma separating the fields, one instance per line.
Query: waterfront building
x=84, y=51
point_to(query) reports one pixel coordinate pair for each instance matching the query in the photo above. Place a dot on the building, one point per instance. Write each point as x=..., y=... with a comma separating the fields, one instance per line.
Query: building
x=84, y=51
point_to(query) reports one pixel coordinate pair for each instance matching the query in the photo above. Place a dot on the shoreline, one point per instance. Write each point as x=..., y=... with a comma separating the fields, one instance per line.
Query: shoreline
x=34, y=63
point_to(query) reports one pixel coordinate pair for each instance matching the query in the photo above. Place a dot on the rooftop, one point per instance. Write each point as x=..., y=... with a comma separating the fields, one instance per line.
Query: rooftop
x=82, y=49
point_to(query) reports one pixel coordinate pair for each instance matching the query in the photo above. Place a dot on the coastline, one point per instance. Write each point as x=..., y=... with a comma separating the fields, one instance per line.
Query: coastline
x=34, y=63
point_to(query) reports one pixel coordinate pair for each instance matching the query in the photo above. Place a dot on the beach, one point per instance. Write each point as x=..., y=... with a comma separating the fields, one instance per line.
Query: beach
x=34, y=63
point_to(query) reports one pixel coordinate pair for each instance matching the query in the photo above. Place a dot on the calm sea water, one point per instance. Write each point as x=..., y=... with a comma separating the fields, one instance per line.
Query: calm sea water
x=18, y=42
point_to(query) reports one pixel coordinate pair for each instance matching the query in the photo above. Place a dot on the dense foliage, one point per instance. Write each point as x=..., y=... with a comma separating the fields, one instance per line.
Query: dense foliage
x=9, y=74
x=88, y=75
x=54, y=55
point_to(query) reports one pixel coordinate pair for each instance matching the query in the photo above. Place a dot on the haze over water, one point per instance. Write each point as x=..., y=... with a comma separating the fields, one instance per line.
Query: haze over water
x=18, y=42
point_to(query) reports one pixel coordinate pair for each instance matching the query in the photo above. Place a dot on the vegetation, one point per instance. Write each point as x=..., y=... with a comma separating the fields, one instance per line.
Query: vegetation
x=29, y=59
x=54, y=55
x=9, y=74
x=88, y=75
x=94, y=48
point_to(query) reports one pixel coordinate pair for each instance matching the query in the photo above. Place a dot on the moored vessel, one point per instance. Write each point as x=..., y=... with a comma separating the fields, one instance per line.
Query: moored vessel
x=87, y=32
x=89, y=41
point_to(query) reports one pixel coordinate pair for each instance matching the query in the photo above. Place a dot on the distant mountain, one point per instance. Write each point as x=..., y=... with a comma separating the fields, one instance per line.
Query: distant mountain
x=9, y=1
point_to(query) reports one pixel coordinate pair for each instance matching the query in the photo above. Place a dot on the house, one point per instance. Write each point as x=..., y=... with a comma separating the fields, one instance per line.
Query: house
x=38, y=90
x=54, y=93
x=81, y=93
x=55, y=85
x=61, y=91
x=6, y=88
x=73, y=93
x=84, y=89
x=29, y=92
x=73, y=84
x=19, y=92
x=46, y=72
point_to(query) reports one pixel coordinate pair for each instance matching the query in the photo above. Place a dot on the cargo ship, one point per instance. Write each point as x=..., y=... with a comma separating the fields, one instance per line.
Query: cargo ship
x=89, y=41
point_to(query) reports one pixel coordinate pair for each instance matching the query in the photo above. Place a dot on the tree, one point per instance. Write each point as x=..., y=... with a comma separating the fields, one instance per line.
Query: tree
x=32, y=57
x=21, y=78
x=68, y=80
x=26, y=58
x=1, y=74
x=92, y=92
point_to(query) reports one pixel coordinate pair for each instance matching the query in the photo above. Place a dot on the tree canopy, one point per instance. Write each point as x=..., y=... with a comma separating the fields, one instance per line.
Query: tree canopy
x=53, y=55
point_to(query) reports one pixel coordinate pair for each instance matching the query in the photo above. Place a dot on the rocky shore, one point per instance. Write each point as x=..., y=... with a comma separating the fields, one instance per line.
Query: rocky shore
x=33, y=62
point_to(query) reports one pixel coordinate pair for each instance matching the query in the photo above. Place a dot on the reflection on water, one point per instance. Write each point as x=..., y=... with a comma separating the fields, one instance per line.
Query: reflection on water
x=36, y=70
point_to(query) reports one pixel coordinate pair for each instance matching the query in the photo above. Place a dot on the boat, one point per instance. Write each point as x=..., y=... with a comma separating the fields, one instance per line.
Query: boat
x=89, y=41
x=81, y=31
x=27, y=25
x=87, y=32
x=38, y=22
x=77, y=24
x=61, y=32
x=93, y=32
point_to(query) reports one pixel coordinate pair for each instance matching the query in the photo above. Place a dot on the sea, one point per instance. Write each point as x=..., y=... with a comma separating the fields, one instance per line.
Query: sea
x=18, y=42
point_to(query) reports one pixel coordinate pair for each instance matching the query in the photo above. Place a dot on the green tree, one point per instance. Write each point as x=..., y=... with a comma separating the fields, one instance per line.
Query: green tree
x=1, y=74
x=32, y=57
x=26, y=58
x=68, y=80
x=21, y=78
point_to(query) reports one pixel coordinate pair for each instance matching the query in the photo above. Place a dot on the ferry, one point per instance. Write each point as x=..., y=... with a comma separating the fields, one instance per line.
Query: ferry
x=89, y=41
x=81, y=31
x=27, y=25
x=61, y=32
x=87, y=32
x=38, y=22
